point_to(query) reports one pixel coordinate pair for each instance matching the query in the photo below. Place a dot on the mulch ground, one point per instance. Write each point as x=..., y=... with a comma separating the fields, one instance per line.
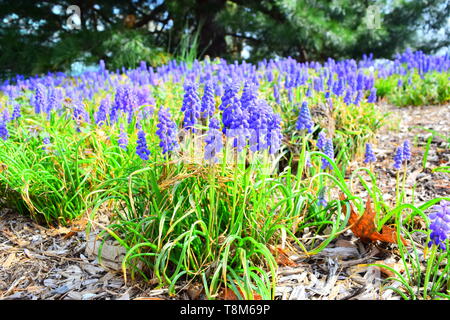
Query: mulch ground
x=41, y=263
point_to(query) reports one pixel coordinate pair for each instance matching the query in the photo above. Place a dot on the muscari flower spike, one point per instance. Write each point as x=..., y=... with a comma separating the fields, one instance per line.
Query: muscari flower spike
x=16, y=112
x=100, y=116
x=167, y=131
x=276, y=94
x=4, y=134
x=235, y=121
x=304, y=121
x=398, y=158
x=40, y=98
x=440, y=224
x=359, y=96
x=373, y=96
x=54, y=101
x=213, y=140
x=348, y=97
x=123, y=138
x=321, y=140
x=406, y=150
x=230, y=92
x=274, y=134
x=141, y=148
x=329, y=151
x=191, y=107
x=290, y=94
x=369, y=156
x=249, y=95
x=208, y=106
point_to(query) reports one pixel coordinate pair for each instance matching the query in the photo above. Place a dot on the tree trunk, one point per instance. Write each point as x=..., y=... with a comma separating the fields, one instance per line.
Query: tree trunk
x=212, y=35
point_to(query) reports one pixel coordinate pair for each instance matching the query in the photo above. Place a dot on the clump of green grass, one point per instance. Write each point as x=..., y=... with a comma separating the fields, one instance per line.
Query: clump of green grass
x=413, y=89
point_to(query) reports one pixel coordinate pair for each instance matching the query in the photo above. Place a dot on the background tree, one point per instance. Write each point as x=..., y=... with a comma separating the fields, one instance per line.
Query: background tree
x=35, y=36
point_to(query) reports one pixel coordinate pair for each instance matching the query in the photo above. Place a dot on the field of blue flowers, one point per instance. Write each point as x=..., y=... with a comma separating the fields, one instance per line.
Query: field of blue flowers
x=209, y=170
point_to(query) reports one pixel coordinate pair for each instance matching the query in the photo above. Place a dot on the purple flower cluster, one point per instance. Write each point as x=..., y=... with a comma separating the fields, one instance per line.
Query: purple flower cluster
x=126, y=101
x=235, y=122
x=4, y=133
x=369, y=156
x=123, y=138
x=16, y=112
x=54, y=100
x=373, y=96
x=251, y=121
x=398, y=158
x=249, y=95
x=304, y=121
x=402, y=154
x=321, y=140
x=40, y=98
x=406, y=150
x=208, y=104
x=141, y=148
x=167, y=131
x=329, y=151
x=213, y=141
x=246, y=118
x=191, y=106
x=101, y=114
x=440, y=224
x=230, y=93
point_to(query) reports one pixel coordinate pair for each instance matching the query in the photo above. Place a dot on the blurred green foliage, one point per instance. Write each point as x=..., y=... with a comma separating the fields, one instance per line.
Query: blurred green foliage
x=36, y=37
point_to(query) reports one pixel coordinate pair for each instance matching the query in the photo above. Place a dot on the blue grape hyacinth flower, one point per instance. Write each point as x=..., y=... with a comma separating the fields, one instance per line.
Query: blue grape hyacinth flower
x=369, y=155
x=329, y=151
x=398, y=158
x=16, y=112
x=235, y=121
x=167, y=131
x=4, y=134
x=230, y=92
x=191, y=106
x=249, y=95
x=141, y=148
x=123, y=138
x=373, y=96
x=208, y=106
x=304, y=121
x=440, y=224
x=406, y=150
x=40, y=98
x=348, y=99
x=101, y=114
x=321, y=140
x=213, y=140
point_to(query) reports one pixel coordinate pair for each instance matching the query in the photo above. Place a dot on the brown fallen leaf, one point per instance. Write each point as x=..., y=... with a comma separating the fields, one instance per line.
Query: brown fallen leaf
x=364, y=226
x=282, y=257
x=70, y=234
x=228, y=294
